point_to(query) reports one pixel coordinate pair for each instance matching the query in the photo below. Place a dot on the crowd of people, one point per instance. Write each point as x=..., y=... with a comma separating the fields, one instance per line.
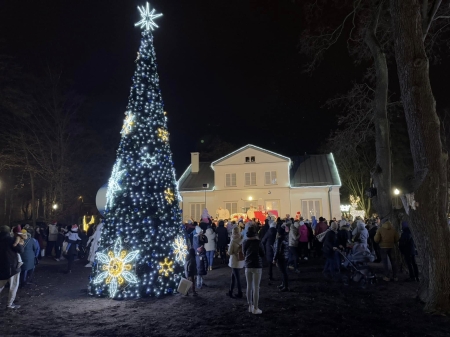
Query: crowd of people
x=244, y=244
x=284, y=243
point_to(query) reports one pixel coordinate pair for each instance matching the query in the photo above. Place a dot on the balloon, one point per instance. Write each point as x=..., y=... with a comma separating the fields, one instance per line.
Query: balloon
x=100, y=199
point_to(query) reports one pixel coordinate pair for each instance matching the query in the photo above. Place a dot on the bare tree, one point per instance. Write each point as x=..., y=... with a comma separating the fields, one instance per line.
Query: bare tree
x=426, y=201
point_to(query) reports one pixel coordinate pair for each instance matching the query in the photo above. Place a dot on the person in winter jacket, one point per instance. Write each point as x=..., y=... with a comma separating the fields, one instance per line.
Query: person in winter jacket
x=9, y=265
x=344, y=235
x=387, y=237
x=374, y=246
x=254, y=253
x=293, y=245
x=28, y=258
x=37, y=250
x=281, y=257
x=210, y=247
x=360, y=237
x=222, y=241
x=264, y=229
x=52, y=237
x=321, y=227
x=408, y=249
x=236, y=263
x=190, y=269
x=268, y=241
x=202, y=264
x=303, y=240
x=330, y=246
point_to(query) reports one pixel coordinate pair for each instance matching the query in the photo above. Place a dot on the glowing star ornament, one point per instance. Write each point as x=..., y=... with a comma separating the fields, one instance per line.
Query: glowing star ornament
x=180, y=249
x=169, y=196
x=165, y=267
x=116, y=268
x=148, y=18
x=127, y=123
x=113, y=183
x=163, y=134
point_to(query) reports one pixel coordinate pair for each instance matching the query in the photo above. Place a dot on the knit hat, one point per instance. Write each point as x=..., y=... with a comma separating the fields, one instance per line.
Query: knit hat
x=321, y=219
x=17, y=229
x=198, y=230
x=235, y=234
x=24, y=231
x=251, y=232
x=4, y=229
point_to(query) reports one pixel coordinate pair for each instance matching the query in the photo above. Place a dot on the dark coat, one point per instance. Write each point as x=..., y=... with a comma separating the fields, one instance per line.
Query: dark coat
x=268, y=242
x=329, y=241
x=202, y=264
x=190, y=267
x=254, y=252
x=321, y=227
x=28, y=255
x=8, y=256
x=406, y=243
x=343, y=236
x=281, y=248
x=222, y=236
x=264, y=230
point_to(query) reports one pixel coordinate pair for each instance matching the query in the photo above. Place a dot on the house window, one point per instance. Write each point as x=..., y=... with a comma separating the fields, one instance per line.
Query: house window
x=230, y=179
x=231, y=207
x=270, y=178
x=311, y=208
x=196, y=211
x=250, y=159
x=272, y=205
x=250, y=179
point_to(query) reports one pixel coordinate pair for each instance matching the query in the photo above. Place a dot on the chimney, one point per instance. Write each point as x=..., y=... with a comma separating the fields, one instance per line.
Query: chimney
x=195, y=166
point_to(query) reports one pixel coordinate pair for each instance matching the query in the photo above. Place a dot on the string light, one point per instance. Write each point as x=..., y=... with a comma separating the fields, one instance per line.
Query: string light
x=142, y=211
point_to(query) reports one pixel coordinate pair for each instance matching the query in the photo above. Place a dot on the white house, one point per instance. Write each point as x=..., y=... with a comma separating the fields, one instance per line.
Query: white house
x=252, y=178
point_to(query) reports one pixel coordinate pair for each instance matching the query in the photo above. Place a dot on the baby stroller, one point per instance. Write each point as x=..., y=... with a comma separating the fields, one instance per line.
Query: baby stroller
x=359, y=271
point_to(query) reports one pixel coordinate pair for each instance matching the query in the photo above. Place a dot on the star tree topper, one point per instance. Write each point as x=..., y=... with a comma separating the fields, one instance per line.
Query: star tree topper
x=147, y=18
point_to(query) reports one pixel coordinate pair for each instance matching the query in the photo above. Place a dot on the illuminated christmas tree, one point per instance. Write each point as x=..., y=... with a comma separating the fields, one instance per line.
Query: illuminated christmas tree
x=142, y=248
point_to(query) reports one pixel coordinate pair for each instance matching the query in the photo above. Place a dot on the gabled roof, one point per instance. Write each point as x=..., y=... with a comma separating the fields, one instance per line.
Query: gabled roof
x=194, y=181
x=314, y=170
x=249, y=146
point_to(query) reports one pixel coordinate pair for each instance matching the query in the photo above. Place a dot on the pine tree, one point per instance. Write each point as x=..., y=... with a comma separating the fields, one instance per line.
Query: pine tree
x=142, y=247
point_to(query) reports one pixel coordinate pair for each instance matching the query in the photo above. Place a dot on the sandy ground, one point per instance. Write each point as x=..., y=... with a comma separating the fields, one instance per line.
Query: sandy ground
x=59, y=306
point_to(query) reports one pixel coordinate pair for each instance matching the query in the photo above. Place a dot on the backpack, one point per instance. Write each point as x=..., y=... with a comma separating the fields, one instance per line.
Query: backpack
x=241, y=256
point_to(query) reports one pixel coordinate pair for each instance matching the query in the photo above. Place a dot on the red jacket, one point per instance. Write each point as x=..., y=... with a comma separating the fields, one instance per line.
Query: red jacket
x=304, y=234
x=321, y=227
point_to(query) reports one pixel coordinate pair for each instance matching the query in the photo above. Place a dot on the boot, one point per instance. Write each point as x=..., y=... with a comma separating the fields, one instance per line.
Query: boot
x=230, y=293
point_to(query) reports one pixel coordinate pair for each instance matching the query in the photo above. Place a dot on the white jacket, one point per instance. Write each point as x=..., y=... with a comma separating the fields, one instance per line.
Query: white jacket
x=233, y=251
x=211, y=245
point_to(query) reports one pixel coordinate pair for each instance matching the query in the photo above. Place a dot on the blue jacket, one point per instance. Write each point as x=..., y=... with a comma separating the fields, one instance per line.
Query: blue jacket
x=28, y=255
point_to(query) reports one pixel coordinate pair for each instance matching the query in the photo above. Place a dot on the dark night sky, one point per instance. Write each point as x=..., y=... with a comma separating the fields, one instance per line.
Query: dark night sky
x=230, y=67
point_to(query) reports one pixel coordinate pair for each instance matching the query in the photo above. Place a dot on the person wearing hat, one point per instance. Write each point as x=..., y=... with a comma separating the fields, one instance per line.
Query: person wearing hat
x=28, y=257
x=330, y=247
x=202, y=264
x=72, y=247
x=9, y=265
x=253, y=252
x=321, y=227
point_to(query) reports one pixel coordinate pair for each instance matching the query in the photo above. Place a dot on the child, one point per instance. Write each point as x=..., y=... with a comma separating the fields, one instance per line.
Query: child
x=19, y=241
x=190, y=269
x=72, y=238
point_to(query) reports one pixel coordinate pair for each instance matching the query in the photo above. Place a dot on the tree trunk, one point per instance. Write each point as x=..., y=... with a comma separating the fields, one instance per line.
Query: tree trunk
x=381, y=175
x=428, y=221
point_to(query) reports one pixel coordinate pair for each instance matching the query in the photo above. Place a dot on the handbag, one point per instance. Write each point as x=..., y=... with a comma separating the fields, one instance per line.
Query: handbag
x=201, y=250
x=241, y=256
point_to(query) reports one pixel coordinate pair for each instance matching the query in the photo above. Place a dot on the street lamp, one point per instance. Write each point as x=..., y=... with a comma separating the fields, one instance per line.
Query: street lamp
x=396, y=191
x=55, y=206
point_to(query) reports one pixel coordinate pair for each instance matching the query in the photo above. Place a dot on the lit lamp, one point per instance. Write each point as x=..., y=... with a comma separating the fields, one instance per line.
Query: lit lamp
x=250, y=198
x=55, y=206
x=396, y=191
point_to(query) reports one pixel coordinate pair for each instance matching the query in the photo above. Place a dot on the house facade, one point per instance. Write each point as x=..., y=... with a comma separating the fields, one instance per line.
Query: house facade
x=252, y=179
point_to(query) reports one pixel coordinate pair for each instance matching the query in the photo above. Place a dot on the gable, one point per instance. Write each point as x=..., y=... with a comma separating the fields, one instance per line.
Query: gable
x=250, y=154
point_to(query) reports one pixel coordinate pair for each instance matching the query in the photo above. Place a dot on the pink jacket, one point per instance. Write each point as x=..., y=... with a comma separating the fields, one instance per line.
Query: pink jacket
x=304, y=234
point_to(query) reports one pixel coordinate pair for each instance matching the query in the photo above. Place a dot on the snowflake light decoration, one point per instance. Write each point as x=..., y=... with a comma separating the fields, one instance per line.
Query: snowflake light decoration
x=165, y=267
x=113, y=183
x=148, y=160
x=148, y=18
x=127, y=123
x=163, y=134
x=116, y=267
x=180, y=249
x=169, y=196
